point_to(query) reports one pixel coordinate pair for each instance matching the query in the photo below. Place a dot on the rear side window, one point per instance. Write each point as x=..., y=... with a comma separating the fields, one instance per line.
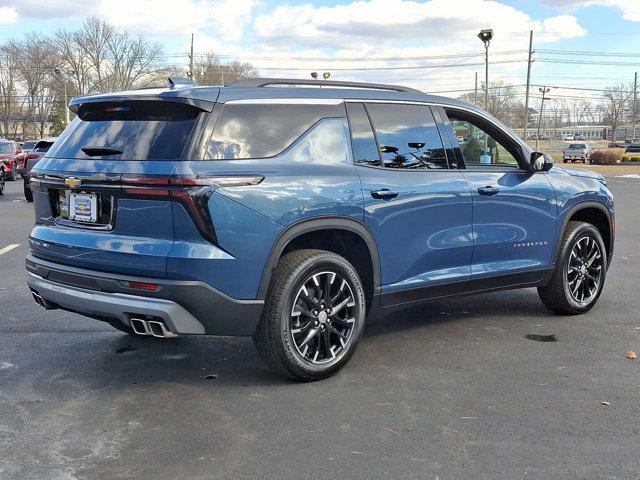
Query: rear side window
x=134, y=130
x=261, y=130
x=407, y=136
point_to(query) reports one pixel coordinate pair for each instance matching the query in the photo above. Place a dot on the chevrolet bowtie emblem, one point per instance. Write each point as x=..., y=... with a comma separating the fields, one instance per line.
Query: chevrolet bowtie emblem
x=72, y=182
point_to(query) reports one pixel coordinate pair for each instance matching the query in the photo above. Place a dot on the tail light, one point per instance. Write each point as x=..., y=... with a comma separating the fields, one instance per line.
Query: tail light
x=192, y=193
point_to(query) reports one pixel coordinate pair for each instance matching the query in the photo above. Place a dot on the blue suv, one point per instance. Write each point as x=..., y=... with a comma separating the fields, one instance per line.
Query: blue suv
x=275, y=209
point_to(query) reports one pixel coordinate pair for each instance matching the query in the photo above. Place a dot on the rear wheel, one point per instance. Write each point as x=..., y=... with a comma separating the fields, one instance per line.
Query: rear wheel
x=578, y=278
x=13, y=176
x=314, y=315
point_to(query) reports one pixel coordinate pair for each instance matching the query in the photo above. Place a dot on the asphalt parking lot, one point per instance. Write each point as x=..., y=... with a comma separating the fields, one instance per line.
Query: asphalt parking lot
x=452, y=390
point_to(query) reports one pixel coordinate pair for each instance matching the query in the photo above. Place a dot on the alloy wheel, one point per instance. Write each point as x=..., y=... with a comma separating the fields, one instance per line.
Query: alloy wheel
x=584, y=271
x=322, y=318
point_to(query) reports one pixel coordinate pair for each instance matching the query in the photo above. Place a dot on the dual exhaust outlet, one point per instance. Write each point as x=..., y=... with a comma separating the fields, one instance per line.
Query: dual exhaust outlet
x=154, y=328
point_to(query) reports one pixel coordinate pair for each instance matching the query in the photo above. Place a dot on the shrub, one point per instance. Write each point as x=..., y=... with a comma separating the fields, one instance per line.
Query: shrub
x=610, y=156
x=472, y=151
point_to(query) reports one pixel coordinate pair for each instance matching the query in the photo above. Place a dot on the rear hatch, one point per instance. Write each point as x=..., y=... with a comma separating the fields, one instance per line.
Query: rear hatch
x=90, y=212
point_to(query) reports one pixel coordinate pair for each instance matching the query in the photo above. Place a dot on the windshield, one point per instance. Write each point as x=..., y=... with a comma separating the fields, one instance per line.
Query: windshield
x=131, y=130
x=28, y=145
x=5, y=147
x=577, y=146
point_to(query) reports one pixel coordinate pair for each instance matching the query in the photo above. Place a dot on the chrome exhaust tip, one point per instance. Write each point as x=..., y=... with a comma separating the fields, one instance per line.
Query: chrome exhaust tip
x=160, y=330
x=41, y=301
x=140, y=326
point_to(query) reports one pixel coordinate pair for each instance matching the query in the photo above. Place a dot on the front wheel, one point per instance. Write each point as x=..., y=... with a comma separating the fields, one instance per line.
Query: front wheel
x=313, y=317
x=581, y=267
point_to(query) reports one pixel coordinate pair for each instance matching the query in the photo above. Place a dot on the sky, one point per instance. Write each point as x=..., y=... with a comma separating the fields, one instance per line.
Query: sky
x=429, y=44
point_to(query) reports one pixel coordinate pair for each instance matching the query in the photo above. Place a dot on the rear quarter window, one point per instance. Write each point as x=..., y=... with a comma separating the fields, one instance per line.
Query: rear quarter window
x=262, y=130
x=139, y=130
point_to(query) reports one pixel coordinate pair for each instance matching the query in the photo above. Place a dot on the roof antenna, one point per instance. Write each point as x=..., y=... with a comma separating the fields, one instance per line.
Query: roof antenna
x=174, y=81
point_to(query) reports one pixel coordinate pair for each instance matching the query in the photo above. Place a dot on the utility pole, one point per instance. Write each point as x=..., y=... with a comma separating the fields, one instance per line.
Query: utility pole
x=526, y=95
x=191, y=60
x=544, y=91
x=475, y=91
x=635, y=103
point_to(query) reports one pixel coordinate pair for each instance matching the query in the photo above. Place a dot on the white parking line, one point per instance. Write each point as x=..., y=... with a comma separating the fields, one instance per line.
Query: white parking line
x=8, y=248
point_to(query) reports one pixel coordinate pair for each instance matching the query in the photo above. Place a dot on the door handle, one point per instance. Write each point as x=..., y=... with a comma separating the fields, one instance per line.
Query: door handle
x=383, y=194
x=488, y=190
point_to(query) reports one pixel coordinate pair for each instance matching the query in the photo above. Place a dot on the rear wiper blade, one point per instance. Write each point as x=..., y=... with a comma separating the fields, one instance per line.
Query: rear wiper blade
x=100, y=151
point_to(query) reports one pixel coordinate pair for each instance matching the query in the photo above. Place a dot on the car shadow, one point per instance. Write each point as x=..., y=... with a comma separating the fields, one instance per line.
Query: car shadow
x=112, y=359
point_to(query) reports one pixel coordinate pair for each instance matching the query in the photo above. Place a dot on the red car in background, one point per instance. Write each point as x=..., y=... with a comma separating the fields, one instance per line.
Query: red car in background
x=8, y=151
x=21, y=158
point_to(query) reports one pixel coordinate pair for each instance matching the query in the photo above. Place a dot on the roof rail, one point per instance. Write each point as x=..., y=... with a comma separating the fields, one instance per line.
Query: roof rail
x=263, y=82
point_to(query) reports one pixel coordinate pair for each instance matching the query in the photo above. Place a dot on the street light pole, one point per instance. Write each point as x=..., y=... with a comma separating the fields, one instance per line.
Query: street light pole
x=485, y=36
x=544, y=91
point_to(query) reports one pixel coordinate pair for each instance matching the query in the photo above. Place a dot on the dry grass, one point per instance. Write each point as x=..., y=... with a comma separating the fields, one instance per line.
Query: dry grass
x=607, y=170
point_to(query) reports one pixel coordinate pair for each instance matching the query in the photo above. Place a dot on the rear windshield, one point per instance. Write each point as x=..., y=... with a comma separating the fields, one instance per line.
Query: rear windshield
x=133, y=130
x=28, y=145
x=5, y=147
x=42, y=146
x=577, y=146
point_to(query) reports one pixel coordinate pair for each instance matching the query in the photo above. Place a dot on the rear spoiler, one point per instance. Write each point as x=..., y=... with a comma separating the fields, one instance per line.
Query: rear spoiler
x=177, y=96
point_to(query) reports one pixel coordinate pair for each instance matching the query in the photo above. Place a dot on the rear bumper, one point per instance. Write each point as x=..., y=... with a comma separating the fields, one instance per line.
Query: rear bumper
x=185, y=307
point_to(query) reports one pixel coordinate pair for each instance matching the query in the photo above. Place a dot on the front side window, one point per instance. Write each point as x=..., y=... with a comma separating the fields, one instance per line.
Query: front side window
x=407, y=136
x=261, y=130
x=479, y=147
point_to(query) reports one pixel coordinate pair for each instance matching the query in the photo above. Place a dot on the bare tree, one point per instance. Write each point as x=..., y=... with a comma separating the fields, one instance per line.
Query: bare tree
x=504, y=101
x=8, y=90
x=209, y=70
x=35, y=63
x=614, y=106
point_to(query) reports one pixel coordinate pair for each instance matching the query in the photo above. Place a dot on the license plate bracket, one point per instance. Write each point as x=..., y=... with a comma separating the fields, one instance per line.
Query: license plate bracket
x=83, y=207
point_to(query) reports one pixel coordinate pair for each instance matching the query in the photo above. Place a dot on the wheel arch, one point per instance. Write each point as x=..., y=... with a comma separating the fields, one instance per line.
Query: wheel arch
x=596, y=214
x=324, y=224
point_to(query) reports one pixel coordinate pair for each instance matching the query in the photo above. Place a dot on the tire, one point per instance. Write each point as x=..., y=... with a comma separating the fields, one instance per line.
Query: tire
x=28, y=193
x=572, y=273
x=288, y=318
x=13, y=176
x=564, y=160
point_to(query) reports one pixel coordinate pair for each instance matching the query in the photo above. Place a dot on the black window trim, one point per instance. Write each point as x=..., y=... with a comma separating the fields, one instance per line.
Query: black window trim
x=375, y=139
x=517, y=141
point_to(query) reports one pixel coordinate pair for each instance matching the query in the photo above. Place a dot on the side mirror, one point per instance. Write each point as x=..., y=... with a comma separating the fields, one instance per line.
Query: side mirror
x=540, y=162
